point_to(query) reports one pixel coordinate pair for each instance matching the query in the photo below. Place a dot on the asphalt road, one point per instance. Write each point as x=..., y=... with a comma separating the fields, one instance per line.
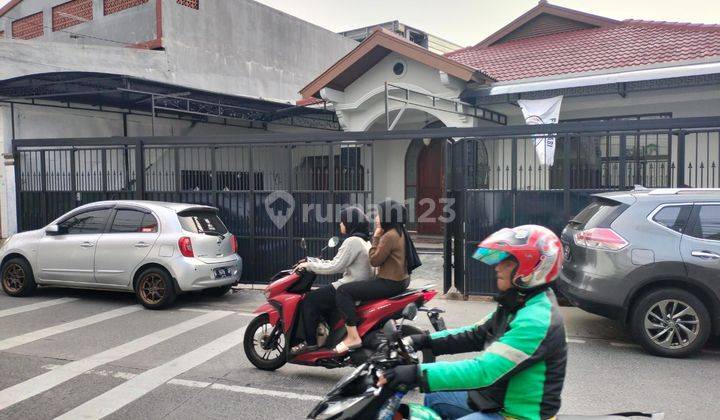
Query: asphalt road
x=84, y=354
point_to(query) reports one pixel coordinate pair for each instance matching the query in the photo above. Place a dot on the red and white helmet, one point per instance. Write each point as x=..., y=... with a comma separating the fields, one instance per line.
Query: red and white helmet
x=536, y=248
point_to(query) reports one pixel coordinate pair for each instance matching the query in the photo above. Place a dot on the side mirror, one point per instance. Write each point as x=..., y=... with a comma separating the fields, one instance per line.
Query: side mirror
x=54, y=230
x=333, y=242
x=410, y=312
x=303, y=244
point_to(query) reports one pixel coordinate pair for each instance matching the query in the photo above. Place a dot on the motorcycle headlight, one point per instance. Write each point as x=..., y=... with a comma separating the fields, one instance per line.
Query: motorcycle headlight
x=336, y=407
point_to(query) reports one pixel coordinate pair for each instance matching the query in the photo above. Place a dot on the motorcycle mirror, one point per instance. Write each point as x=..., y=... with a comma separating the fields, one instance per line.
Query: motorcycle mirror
x=333, y=242
x=410, y=312
x=303, y=244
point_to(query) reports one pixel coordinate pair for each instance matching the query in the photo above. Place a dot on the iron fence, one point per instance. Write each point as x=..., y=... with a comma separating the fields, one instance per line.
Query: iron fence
x=237, y=179
x=492, y=177
x=498, y=181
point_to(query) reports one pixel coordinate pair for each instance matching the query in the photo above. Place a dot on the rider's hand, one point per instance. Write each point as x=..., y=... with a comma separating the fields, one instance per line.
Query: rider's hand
x=417, y=341
x=301, y=266
x=402, y=375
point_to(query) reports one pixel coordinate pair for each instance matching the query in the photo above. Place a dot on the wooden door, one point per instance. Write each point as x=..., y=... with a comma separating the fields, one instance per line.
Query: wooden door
x=430, y=182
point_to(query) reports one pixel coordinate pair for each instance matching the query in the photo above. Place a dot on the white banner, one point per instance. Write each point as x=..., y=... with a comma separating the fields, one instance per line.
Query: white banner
x=542, y=111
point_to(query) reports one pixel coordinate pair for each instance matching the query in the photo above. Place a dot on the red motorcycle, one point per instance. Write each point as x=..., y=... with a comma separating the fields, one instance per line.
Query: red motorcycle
x=276, y=328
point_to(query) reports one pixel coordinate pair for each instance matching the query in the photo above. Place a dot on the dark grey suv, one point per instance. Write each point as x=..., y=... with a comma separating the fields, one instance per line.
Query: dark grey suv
x=651, y=259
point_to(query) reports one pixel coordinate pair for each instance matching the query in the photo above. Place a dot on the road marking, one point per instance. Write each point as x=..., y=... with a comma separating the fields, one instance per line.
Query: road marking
x=39, y=384
x=35, y=306
x=122, y=395
x=210, y=310
x=200, y=384
x=266, y=392
x=68, y=326
x=616, y=344
x=575, y=340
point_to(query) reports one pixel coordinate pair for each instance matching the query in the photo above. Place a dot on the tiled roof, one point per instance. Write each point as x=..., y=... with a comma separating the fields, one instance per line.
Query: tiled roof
x=631, y=43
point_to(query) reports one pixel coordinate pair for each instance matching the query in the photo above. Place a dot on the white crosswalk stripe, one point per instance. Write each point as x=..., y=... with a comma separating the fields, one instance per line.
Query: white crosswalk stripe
x=142, y=384
x=39, y=384
x=65, y=327
x=34, y=306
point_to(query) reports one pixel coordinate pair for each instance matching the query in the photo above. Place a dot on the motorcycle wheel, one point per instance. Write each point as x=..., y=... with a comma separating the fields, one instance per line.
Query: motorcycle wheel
x=427, y=355
x=257, y=332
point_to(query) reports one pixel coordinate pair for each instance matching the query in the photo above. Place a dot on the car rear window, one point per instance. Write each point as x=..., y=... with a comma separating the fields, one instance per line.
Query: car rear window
x=673, y=217
x=600, y=213
x=206, y=222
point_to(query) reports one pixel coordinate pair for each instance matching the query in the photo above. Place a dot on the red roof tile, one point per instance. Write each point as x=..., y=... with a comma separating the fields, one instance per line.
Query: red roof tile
x=632, y=43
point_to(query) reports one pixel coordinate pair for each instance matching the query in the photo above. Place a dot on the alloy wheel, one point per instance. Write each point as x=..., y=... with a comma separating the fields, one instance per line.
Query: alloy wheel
x=263, y=343
x=14, y=278
x=152, y=288
x=672, y=324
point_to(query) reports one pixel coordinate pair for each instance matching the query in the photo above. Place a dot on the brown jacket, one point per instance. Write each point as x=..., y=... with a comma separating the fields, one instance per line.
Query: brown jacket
x=388, y=254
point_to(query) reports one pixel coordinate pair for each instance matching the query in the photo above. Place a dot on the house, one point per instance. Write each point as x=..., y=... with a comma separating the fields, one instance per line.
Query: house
x=605, y=70
x=418, y=36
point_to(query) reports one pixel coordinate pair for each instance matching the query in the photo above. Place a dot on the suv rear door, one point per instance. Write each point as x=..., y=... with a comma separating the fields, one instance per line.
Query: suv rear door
x=211, y=240
x=600, y=213
x=700, y=245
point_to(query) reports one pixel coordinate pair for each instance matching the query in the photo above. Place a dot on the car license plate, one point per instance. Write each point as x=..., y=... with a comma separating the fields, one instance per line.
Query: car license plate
x=222, y=272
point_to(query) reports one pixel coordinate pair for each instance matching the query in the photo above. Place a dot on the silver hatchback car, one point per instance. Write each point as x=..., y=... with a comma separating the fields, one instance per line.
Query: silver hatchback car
x=154, y=249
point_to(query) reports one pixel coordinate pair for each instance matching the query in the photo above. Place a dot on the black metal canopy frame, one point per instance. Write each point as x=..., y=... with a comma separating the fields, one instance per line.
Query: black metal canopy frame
x=132, y=95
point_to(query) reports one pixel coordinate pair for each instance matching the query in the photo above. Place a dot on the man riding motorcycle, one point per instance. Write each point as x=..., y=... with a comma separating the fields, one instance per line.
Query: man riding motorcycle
x=521, y=370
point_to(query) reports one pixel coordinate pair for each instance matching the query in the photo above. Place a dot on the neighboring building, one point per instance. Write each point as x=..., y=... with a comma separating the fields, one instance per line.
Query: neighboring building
x=66, y=66
x=236, y=47
x=606, y=70
x=414, y=35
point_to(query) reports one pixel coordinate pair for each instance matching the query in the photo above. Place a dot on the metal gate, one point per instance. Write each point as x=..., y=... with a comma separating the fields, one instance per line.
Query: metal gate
x=269, y=195
x=493, y=179
x=497, y=181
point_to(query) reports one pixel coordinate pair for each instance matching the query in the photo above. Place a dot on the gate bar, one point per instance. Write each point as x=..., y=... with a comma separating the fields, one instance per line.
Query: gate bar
x=445, y=132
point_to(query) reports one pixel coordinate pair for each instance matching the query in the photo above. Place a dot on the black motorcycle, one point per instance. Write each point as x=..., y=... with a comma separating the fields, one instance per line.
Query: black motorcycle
x=357, y=396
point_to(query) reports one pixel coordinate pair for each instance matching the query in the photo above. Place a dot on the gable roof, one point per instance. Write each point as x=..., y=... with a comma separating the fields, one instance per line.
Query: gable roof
x=627, y=44
x=378, y=45
x=563, y=19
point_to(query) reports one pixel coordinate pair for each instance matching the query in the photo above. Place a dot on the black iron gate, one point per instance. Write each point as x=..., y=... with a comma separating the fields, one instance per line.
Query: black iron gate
x=497, y=180
x=269, y=195
x=493, y=179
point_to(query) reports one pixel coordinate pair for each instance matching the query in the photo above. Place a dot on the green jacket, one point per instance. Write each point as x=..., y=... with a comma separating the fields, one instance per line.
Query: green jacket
x=521, y=369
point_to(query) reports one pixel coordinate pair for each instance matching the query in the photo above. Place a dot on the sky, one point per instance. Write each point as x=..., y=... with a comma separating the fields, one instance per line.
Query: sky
x=467, y=22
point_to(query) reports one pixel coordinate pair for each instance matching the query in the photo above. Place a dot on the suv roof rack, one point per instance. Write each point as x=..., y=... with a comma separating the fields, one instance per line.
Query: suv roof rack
x=676, y=191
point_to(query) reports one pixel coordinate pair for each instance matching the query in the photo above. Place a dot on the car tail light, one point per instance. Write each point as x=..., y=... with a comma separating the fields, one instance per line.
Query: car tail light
x=600, y=238
x=186, y=247
x=233, y=243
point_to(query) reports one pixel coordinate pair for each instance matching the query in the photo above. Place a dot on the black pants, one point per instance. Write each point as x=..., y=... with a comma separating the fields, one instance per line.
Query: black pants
x=317, y=304
x=379, y=288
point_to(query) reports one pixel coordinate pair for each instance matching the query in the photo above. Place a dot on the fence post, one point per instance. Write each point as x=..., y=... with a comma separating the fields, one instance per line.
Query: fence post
x=43, y=187
x=139, y=170
x=459, y=226
x=623, y=163
x=450, y=226
x=680, y=165
x=513, y=178
x=566, y=175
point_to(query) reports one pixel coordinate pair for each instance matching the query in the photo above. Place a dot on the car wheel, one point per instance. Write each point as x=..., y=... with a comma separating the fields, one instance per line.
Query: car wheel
x=671, y=323
x=155, y=289
x=217, y=291
x=17, y=278
x=258, y=349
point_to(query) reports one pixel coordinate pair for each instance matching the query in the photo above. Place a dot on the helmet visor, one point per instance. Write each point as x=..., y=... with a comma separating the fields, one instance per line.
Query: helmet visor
x=490, y=256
